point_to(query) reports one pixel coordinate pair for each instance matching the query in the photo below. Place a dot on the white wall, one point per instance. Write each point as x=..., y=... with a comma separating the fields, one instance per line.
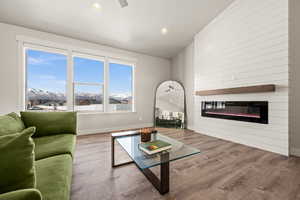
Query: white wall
x=247, y=44
x=178, y=67
x=182, y=70
x=150, y=71
x=294, y=16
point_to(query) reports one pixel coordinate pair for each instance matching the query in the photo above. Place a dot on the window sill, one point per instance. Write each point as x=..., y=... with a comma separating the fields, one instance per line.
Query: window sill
x=104, y=113
x=85, y=112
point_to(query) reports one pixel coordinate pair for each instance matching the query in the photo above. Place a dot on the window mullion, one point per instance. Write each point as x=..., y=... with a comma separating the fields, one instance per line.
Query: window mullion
x=106, y=86
x=90, y=84
x=70, y=80
x=22, y=61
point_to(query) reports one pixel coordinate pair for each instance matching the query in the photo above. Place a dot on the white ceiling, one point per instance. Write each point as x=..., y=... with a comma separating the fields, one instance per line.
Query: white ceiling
x=136, y=27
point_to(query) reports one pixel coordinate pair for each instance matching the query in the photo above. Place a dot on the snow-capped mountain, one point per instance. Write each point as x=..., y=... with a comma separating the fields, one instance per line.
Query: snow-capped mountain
x=38, y=94
x=120, y=96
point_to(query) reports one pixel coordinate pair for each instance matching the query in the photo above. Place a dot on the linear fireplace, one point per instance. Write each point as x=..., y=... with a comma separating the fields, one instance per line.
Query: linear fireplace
x=249, y=111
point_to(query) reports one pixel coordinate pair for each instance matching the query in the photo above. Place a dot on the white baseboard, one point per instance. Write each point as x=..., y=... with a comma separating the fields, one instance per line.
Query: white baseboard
x=191, y=128
x=295, y=152
x=109, y=129
x=236, y=139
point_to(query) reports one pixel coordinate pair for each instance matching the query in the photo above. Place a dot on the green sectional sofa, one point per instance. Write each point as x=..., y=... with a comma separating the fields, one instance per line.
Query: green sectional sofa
x=51, y=143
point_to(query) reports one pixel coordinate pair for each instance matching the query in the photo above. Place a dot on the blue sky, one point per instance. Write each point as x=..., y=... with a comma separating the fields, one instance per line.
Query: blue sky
x=48, y=71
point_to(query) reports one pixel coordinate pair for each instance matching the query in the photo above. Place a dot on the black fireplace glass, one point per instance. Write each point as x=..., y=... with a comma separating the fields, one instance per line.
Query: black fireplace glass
x=249, y=111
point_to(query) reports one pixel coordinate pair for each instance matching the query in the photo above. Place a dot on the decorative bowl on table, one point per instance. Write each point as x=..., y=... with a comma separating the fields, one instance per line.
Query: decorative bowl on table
x=146, y=134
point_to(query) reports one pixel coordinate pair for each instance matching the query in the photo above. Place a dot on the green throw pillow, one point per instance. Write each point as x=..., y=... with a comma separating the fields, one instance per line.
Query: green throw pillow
x=50, y=123
x=17, y=161
x=10, y=123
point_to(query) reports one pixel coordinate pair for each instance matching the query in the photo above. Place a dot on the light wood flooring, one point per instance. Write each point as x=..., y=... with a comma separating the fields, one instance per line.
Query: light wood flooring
x=223, y=171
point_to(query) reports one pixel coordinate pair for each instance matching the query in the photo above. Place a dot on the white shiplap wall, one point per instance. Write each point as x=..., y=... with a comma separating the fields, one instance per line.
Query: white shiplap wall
x=247, y=44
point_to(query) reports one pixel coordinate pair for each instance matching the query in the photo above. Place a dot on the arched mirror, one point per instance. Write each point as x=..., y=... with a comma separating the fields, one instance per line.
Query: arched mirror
x=170, y=105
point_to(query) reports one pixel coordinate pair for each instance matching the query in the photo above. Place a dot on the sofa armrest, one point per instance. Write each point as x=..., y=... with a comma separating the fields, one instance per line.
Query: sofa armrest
x=50, y=123
x=25, y=194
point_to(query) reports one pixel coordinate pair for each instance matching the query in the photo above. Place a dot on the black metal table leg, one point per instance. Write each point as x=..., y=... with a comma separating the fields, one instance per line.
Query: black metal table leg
x=113, y=155
x=164, y=178
x=112, y=151
x=162, y=184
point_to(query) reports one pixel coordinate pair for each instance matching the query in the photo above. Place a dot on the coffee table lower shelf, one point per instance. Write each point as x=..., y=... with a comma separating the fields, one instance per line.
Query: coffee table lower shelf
x=162, y=184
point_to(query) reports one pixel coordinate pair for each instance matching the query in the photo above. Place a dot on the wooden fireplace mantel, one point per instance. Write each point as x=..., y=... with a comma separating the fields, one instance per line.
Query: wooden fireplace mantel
x=238, y=90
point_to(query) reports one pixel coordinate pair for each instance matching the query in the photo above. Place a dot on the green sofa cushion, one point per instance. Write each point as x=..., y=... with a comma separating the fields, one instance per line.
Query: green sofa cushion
x=26, y=194
x=54, y=145
x=17, y=161
x=10, y=123
x=54, y=175
x=50, y=123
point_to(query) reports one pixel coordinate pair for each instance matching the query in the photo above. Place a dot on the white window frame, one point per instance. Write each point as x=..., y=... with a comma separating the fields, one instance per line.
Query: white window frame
x=47, y=50
x=87, y=84
x=130, y=64
x=25, y=42
x=92, y=57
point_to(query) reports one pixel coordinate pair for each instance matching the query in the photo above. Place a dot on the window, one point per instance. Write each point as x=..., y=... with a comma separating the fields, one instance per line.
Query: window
x=88, y=84
x=120, y=87
x=46, y=80
x=58, y=79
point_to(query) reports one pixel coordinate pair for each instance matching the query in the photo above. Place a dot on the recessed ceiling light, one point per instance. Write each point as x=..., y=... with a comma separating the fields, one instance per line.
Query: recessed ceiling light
x=164, y=31
x=97, y=5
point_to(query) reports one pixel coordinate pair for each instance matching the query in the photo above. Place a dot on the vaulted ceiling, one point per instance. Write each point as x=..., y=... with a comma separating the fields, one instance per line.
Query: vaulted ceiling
x=136, y=27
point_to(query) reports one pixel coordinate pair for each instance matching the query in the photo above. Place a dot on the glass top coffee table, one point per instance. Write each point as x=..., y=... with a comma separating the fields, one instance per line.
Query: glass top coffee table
x=130, y=142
